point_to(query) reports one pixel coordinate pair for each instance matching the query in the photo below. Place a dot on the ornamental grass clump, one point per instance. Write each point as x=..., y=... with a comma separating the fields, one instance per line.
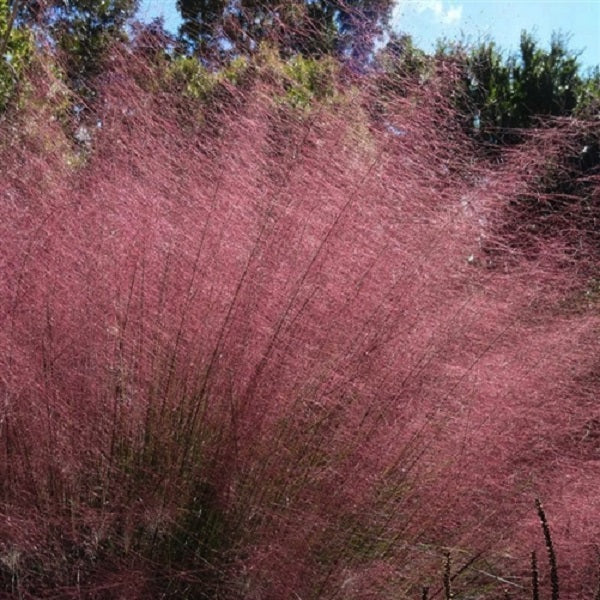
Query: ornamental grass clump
x=252, y=351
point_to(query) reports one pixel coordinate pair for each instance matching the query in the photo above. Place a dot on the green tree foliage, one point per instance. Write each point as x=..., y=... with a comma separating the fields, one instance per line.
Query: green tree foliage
x=303, y=81
x=197, y=82
x=489, y=84
x=82, y=30
x=212, y=28
x=401, y=63
x=508, y=93
x=202, y=20
x=588, y=96
x=544, y=82
x=16, y=47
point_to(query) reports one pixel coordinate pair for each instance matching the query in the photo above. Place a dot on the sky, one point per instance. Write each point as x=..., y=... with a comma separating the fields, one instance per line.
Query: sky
x=474, y=20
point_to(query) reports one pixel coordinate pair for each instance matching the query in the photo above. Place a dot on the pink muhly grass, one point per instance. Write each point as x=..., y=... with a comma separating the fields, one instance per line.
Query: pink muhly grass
x=275, y=356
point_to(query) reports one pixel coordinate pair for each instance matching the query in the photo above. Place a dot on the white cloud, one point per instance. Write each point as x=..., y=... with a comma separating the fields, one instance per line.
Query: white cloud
x=453, y=15
x=448, y=15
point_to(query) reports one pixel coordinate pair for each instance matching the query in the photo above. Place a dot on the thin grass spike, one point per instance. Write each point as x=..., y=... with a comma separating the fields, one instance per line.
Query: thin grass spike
x=535, y=578
x=550, y=549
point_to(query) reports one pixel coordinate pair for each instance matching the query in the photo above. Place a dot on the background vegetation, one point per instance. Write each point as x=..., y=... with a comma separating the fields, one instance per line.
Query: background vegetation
x=285, y=314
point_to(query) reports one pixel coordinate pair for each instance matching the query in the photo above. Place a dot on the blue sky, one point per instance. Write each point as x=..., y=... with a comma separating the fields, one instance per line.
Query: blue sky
x=473, y=20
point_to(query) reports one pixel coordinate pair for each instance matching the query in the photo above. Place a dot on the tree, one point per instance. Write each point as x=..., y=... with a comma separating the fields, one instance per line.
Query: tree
x=545, y=83
x=202, y=20
x=212, y=28
x=401, y=65
x=588, y=97
x=509, y=93
x=16, y=48
x=489, y=85
x=82, y=29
